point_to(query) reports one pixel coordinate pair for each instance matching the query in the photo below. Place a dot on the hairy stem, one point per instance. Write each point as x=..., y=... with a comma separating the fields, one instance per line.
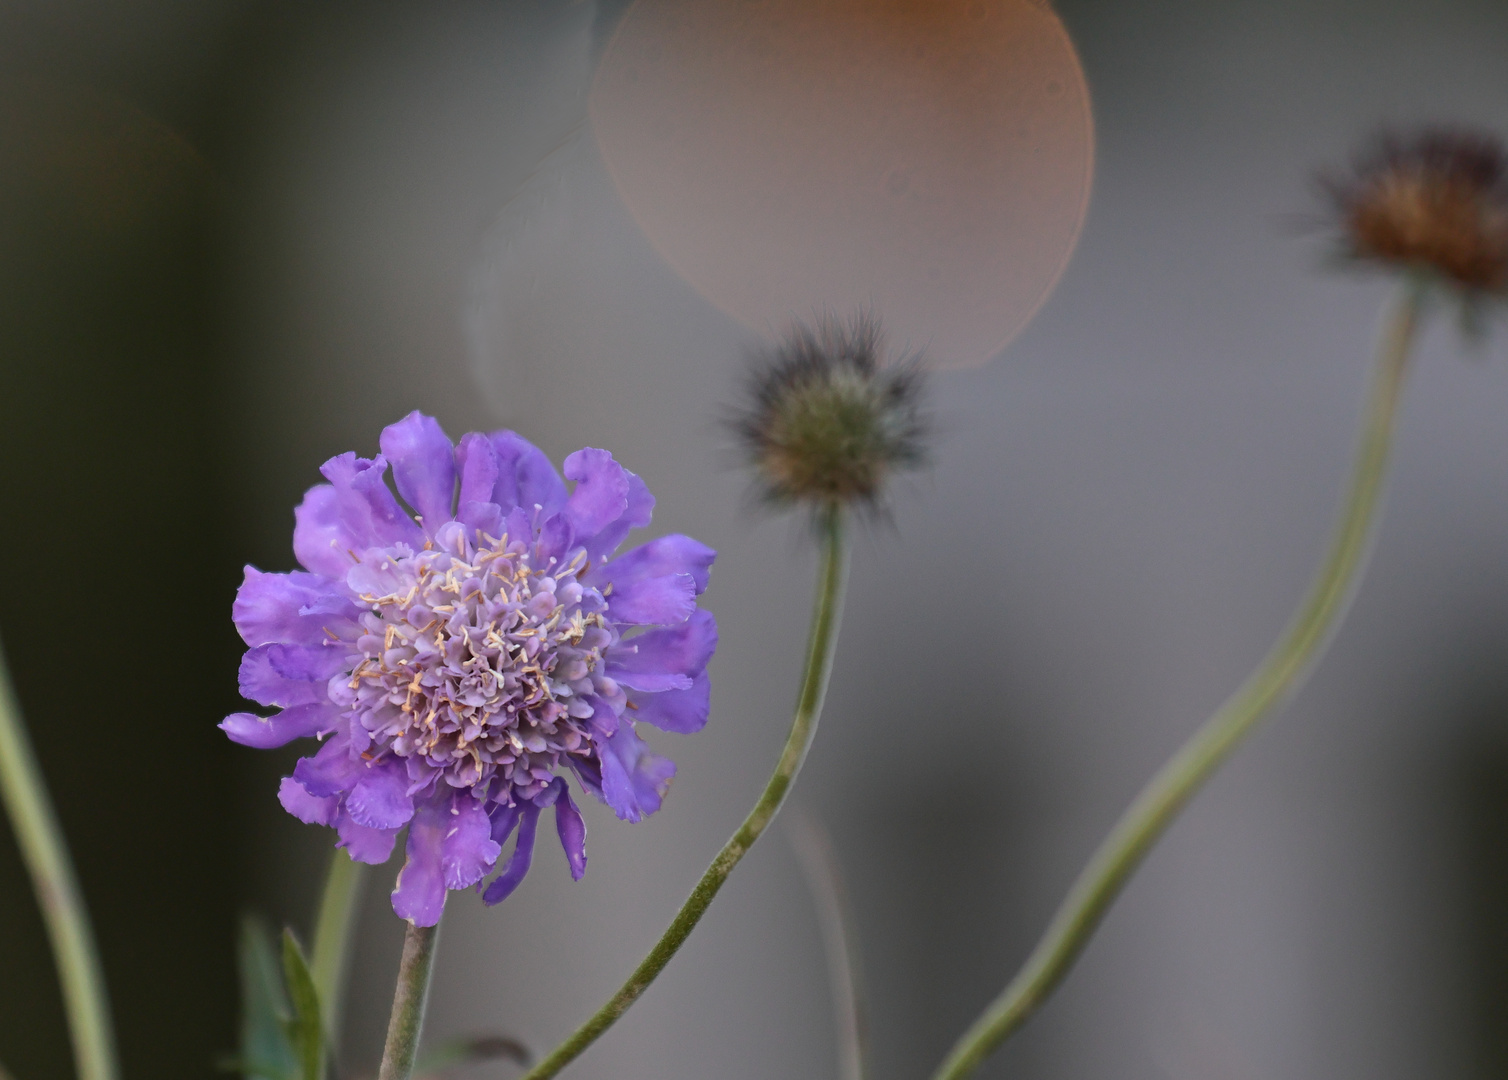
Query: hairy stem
x=57, y=890
x=409, y=999
x=1170, y=789
x=819, y=659
x=332, y=939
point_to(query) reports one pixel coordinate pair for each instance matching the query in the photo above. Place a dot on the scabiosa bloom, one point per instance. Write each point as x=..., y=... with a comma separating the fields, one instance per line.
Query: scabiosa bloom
x=829, y=420
x=459, y=662
x=1435, y=201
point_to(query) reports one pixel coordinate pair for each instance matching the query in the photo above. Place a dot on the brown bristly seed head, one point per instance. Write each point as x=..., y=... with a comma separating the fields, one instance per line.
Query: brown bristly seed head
x=1435, y=201
x=829, y=420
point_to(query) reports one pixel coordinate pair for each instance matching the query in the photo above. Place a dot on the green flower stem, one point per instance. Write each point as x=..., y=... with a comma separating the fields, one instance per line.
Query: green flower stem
x=819, y=660
x=409, y=999
x=332, y=937
x=1160, y=801
x=57, y=889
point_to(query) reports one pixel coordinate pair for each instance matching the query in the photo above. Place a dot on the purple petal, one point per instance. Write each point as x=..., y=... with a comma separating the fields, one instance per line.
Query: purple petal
x=504, y=818
x=310, y=809
x=368, y=512
x=364, y=845
x=333, y=770
x=267, y=732
x=291, y=608
x=518, y=862
x=682, y=711
x=424, y=466
x=320, y=542
x=675, y=554
x=634, y=778
x=525, y=477
x=555, y=537
x=380, y=799
x=468, y=851
x=477, y=462
x=665, y=659
x=661, y=601
x=638, y=513
x=601, y=494
x=420, y=895
x=572, y=831
x=261, y=681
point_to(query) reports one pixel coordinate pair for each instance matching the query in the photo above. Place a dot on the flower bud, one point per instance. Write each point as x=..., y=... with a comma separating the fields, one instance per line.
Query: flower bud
x=830, y=419
x=1434, y=202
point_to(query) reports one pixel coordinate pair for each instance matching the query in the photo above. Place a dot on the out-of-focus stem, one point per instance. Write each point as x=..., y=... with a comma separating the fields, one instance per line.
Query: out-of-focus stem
x=57, y=890
x=409, y=999
x=823, y=640
x=1171, y=788
x=332, y=937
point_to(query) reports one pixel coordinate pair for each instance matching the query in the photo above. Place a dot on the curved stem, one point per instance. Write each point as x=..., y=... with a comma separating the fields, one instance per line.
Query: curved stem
x=409, y=998
x=1160, y=801
x=819, y=659
x=332, y=938
x=46, y=855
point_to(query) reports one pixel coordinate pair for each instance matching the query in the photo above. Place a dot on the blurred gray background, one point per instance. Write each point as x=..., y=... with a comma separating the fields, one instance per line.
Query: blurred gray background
x=240, y=237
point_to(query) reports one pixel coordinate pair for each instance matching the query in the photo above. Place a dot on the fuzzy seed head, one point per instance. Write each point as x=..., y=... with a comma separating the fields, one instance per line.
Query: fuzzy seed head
x=829, y=419
x=1435, y=201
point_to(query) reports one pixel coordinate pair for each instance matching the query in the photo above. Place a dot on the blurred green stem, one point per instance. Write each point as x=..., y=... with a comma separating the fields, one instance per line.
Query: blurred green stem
x=823, y=640
x=1171, y=788
x=332, y=937
x=409, y=998
x=57, y=889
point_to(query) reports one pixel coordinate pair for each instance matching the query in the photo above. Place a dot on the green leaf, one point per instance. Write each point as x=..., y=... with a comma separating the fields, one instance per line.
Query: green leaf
x=305, y=1030
x=468, y=1050
x=266, y=1053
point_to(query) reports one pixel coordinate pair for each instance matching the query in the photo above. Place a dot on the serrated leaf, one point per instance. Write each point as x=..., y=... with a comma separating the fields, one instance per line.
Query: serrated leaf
x=305, y=1030
x=266, y=1053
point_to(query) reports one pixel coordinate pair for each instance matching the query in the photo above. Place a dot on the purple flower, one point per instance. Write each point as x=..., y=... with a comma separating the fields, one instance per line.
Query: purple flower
x=458, y=662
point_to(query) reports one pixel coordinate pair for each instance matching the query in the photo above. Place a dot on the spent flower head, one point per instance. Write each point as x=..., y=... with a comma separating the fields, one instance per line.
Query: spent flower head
x=459, y=656
x=829, y=418
x=1433, y=202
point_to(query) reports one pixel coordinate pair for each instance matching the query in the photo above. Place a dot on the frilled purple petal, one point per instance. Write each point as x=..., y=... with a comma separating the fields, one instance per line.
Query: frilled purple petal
x=310, y=809
x=675, y=554
x=268, y=732
x=601, y=494
x=555, y=538
x=420, y=895
x=660, y=601
x=320, y=542
x=424, y=466
x=634, y=778
x=477, y=465
x=468, y=852
x=525, y=477
x=571, y=828
x=333, y=770
x=261, y=681
x=636, y=515
x=367, y=511
x=294, y=609
x=364, y=845
x=681, y=711
x=665, y=659
x=518, y=863
x=380, y=799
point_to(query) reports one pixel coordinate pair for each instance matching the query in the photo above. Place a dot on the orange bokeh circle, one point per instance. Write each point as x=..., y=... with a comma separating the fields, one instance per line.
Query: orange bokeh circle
x=929, y=160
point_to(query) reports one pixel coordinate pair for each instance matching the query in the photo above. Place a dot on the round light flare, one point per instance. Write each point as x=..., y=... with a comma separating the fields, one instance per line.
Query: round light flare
x=927, y=160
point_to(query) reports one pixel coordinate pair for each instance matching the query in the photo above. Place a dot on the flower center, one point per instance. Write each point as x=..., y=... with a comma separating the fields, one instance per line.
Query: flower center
x=479, y=662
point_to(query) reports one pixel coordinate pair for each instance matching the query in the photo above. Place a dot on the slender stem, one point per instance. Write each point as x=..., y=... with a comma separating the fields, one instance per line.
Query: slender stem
x=1159, y=802
x=840, y=940
x=409, y=999
x=819, y=659
x=332, y=938
x=57, y=889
